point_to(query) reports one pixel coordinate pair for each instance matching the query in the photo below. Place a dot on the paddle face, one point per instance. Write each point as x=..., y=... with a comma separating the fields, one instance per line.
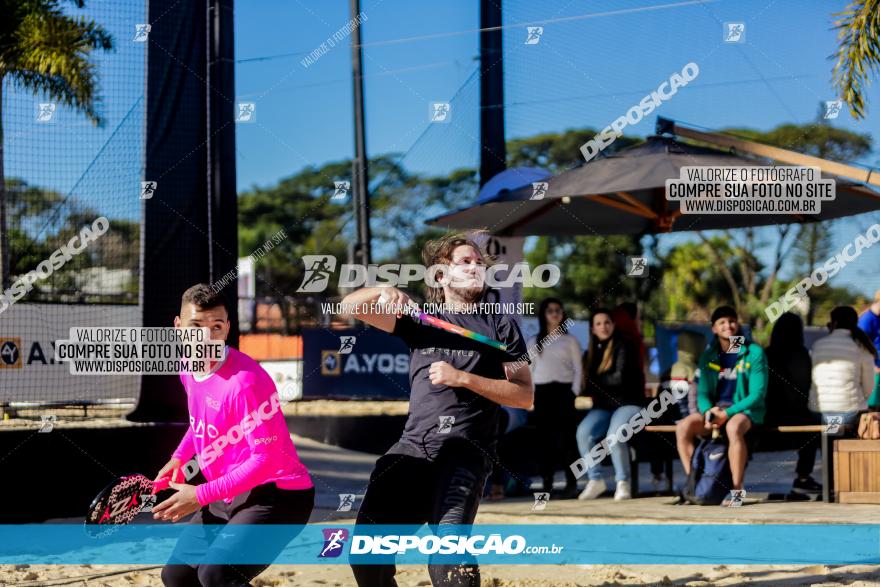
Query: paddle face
x=119, y=503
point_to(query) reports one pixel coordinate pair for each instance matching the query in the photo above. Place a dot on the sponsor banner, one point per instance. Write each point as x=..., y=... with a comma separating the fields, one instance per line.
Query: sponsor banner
x=486, y=544
x=364, y=364
x=28, y=367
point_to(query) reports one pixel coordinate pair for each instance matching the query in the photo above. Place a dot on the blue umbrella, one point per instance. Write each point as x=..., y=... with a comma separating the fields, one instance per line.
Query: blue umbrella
x=510, y=180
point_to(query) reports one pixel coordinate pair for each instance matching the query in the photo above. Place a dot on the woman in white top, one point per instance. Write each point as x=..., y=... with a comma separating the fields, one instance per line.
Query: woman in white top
x=556, y=371
x=843, y=369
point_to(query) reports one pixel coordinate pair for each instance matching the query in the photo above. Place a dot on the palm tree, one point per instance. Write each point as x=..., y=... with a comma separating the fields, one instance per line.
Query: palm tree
x=858, y=55
x=45, y=51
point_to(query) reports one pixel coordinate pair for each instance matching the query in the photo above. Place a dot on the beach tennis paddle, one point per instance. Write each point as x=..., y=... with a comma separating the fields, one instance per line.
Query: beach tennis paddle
x=417, y=314
x=120, y=502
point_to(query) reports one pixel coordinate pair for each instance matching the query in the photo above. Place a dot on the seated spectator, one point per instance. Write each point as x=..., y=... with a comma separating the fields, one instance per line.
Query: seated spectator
x=732, y=387
x=690, y=346
x=626, y=322
x=843, y=370
x=613, y=380
x=556, y=372
x=788, y=391
x=869, y=322
x=683, y=372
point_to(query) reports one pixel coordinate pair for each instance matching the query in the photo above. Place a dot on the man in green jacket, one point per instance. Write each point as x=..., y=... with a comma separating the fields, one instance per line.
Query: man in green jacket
x=731, y=391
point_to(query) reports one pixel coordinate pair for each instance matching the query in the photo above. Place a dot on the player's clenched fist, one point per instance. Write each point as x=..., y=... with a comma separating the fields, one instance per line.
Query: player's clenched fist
x=395, y=300
x=442, y=373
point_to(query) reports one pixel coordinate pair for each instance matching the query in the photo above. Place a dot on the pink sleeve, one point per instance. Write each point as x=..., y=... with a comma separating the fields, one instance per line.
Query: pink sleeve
x=186, y=449
x=263, y=458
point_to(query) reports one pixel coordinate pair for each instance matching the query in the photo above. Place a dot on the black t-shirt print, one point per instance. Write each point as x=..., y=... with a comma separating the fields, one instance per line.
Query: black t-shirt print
x=438, y=413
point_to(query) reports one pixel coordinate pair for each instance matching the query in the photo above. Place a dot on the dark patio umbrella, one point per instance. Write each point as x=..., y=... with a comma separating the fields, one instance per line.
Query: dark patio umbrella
x=625, y=193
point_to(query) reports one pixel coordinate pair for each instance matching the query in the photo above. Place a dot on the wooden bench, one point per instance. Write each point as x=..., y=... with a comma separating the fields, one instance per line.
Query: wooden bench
x=827, y=464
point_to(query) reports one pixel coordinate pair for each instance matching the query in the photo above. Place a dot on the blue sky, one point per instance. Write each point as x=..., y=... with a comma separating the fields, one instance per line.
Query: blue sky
x=594, y=61
x=584, y=72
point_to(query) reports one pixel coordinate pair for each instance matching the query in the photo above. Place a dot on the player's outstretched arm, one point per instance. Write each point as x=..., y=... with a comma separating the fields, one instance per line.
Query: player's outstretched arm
x=370, y=304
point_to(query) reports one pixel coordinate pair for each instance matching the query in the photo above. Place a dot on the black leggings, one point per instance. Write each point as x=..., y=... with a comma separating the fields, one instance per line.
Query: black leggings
x=554, y=418
x=410, y=490
x=264, y=504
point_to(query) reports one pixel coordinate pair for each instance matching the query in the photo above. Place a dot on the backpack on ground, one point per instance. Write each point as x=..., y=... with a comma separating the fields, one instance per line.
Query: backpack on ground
x=710, y=479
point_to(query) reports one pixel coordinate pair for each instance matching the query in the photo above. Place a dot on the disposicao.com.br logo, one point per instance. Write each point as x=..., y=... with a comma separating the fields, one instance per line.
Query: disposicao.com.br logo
x=449, y=544
x=320, y=268
x=371, y=543
x=334, y=542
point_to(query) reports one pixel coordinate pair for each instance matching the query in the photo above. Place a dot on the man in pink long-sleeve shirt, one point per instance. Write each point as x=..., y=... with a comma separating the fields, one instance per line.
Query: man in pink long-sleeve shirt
x=242, y=446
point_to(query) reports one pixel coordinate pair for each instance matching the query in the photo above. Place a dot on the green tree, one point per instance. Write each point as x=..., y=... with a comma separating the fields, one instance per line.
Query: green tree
x=749, y=289
x=400, y=200
x=756, y=284
x=594, y=267
x=118, y=248
x=557, y=152
x=818, y=139
x=858, y=55
x=400, y=197
x=44, y=51
x=594, y=271
x=38, y=229
x=828, y=297
x=28, y=206
x=812, y=247
x=300, y=205
x=692, y=281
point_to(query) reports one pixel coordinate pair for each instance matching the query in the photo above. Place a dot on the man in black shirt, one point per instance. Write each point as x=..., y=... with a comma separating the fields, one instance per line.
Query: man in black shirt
x=436, y=472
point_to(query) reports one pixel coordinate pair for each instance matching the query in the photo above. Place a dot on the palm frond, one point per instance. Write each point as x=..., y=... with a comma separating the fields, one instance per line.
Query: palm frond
x=858, y=54
x=58, y=89
x=50, y=52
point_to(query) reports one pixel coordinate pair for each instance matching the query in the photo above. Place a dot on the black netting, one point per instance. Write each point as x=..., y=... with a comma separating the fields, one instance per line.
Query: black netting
x=65, y=170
